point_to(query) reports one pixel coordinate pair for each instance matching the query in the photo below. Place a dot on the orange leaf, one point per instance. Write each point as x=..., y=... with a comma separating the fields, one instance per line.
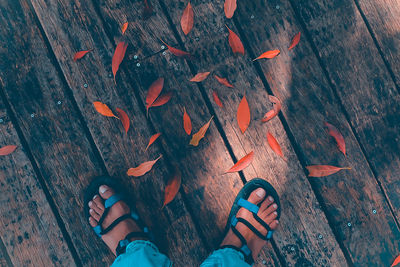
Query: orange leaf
x=200, y=76
x=103, y=109
x=172, y=188
x=153, y=138
x=269, y=54
x=81, y=54
x=242, y=163
x=148, y=10
x=118, y=57
x=143, y=168
x=187, y=123
x=273, y=112
x=396, y=261
x=235, y=43
x=323, y=170
x=187, y=19
x=200, y=134
x=153, y=92
x=124, y=27
x=229, y=8
x=6, y=150
x=223, y=81
x=274, y=145
x=243, y=114
x=295, y=41
x=162, y=99
x=216, y=99
x=124, y=118
x=177, y=52
x=332, y=131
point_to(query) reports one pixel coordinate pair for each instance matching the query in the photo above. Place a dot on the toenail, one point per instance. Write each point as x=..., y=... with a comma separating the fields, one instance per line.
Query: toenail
x=260, y=192
x=275, y=206
x=103, y=189
x=90, y=203
x=91, y=211
x=275, y=213
x=270, y=198
x=95, y=196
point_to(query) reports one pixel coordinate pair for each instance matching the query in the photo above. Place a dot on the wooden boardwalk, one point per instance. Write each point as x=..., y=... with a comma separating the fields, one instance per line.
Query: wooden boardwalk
x=345, y=70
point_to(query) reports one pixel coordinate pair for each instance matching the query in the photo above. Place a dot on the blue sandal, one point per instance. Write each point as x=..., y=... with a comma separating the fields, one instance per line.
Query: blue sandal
x=242, y=202
x=120, y=194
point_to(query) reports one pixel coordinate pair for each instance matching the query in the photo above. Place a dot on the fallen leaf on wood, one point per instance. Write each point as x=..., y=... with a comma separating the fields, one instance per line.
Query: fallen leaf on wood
x=242, y=163
x=124, y=118
x=153, y=138
x=172, y=187
x=187, y=19
x=81, y=54
x=200, y=134
x=187, y=122
x=153, y=92
x=223, y=81
x=268, y=54
x=216, y=99
x=274, y=145
x=273, y=112
x=124, y=27
x=162, y=99
x=178, y=52
x=235, y=43
x=142, y=168
x=229, y=8
x=295, y=41
x=6, y=150
x=118, y=57
x=332, y=131
x=200, y=76
x=103, y=109
x=323, y=170
x=148, y=9
x=243, y=114
x=396, y=261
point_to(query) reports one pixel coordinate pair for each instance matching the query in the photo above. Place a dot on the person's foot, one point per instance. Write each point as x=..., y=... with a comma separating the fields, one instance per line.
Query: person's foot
x=267, y=213
x=117, y=210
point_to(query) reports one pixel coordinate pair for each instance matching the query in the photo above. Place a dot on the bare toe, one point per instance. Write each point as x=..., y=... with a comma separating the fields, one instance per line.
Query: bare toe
x=99, y=202
x=92, y=222
x=94, y=214
x=106, y=192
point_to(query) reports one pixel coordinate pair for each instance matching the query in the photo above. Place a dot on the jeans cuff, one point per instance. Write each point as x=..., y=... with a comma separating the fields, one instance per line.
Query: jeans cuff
x=141, y=243
x=230, y=251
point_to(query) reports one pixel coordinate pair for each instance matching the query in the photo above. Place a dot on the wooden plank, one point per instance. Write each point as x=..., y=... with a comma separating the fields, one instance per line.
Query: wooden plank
x=28, y=226
x=308, y=101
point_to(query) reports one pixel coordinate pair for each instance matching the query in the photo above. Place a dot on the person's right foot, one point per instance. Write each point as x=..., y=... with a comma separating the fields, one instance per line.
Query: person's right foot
x=267, y=213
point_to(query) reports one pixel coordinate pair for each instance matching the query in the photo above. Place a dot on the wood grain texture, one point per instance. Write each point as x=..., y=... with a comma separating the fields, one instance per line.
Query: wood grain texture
x=297, y=79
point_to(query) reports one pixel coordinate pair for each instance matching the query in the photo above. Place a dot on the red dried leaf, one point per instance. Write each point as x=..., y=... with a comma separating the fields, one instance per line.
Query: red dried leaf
x=396, y=261
x=143, y=168
x=200, y=134
x=274, y=145
x=154, y=91
x=216, y=99
x=223, y=81
x=323, y=170
x=332, y=131
x=187, y=122
x=153, y=138
x=235, y=42
x=243, y=114
x=81, y=54
x=124, y=118
x=229, y=8
x=177, y=52
x=295, y=41
x=118, y=57
x=103, y=109
x=273, y=112
x=6, y=150
x=268, y=54
x=148, y=10
x=242, y=163
x=162, y=99
x=187, y=19
x=200, y=76
x=124, y=27
x=172, y=187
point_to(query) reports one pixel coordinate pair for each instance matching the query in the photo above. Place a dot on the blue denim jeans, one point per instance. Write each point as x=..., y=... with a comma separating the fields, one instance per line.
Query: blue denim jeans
x=145, y=254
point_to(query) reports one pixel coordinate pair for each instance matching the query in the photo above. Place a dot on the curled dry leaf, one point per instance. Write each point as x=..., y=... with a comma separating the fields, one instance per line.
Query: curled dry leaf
x=124, y=118
x=332, y=131
x=216, y=99
x=200, y=134
x=172, y=188
x=187, y=122
x=274, y=145
x=242, y=163
x=187, y=19
x=229, y=8
x=6, y=150
x=154, y=91
x=143, y=168
x=147, y=10
x=124, y=27
x=295, y=41
x=81, y=54
x=118, y=57
x=323, y=170
x=162, y=99
x=103, y=109
x=223, y=81
x=153, y=138
x=273, y=112
x=235, y=43
x=200, y=76
x=396, y=261
x=243, y=115
x=268, y=54
x=177, y=52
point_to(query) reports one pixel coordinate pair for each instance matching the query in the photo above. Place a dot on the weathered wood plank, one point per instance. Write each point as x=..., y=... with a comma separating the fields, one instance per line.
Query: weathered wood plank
x=308, y=101
x=29, y=228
